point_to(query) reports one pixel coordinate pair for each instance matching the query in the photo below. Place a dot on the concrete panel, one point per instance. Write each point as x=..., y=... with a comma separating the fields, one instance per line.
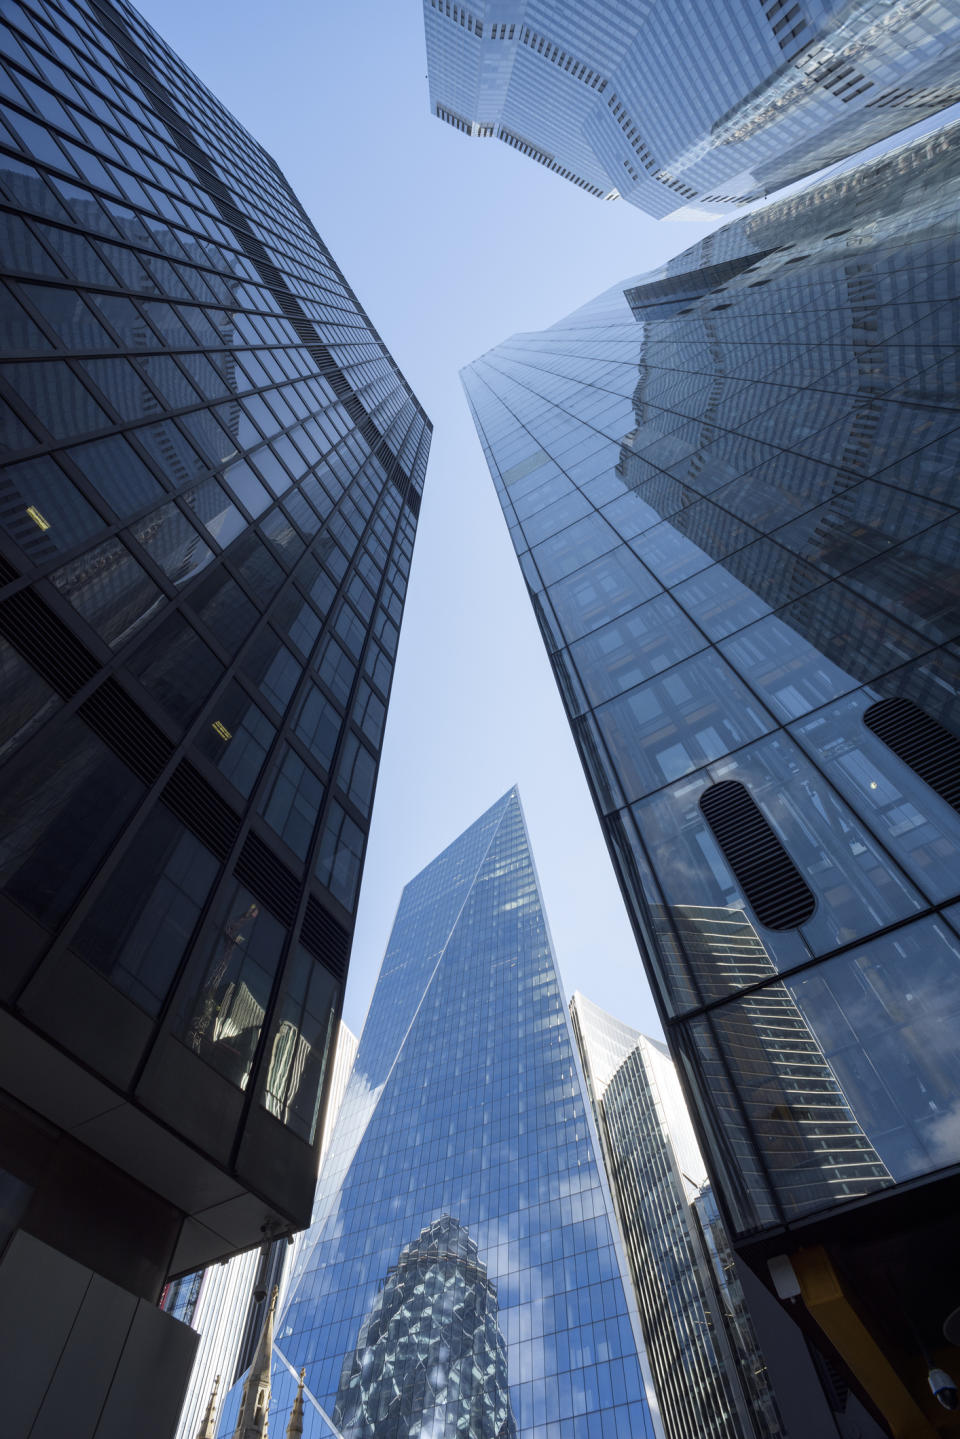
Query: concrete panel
x=151, y=1379
x=88, y=1365
x=41, y=1293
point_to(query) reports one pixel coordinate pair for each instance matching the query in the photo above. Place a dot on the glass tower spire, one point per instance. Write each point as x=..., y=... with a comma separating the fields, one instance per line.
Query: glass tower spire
x=462, y=1275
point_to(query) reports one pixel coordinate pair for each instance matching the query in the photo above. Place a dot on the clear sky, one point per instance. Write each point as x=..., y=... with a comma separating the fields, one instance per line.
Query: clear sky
x=451, y=244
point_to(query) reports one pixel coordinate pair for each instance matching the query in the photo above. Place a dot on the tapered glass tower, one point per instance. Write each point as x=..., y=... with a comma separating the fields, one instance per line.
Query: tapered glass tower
x=673, y=105
x=733, y=497
x=462, y=1275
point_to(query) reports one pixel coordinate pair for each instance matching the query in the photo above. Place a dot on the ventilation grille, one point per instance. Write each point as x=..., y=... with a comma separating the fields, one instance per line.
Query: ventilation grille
x=201, y=809
x=269, y=879
x=771, y=881
x=131, y=734
x=325, y=938
x=46, y=643
x=7, y=573
x=920, y=741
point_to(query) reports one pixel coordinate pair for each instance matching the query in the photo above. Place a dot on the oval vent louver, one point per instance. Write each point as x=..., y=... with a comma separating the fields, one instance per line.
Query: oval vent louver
x=920, y=741
x=771, y=881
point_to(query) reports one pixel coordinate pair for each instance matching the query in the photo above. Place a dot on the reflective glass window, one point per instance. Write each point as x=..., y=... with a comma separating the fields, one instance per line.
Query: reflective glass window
x=141, y=922
x=236, y=964
x=117, y=474
x=299, y=1045
x=236, y=736
x=44, y=511
x=64, y=805
x=920, y=829
x=27, y=699
x=573, y=547
x=340, y=855
x=600, y=591
x=292, y=802
x=52, y=391
x=635, y=647
x=318, y=725
x=678, y=721
x=110, y=590
x=177, y=669
x=171, y=540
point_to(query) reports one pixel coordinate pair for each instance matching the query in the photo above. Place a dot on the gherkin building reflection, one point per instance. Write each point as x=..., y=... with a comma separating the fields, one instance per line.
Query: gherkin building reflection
x=430, y=1359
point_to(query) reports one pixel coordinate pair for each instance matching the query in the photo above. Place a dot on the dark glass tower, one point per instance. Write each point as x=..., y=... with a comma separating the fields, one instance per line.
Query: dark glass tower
x=212, y=478
x=464, y=1146
x=672, y=105
x=430, y=1357
x=735, y=510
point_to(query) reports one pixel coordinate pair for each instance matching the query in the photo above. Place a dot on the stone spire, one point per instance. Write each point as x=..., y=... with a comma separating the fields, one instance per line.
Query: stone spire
x=295, y=1424
x=207, y=1427
x=255, y=1401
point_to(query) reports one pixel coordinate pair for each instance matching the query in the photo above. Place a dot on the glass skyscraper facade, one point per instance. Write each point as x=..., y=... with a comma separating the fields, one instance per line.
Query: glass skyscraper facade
x=735, y=511
x=211, y=484
x=462, y=1275
x=709, y=1371
x=673, y=105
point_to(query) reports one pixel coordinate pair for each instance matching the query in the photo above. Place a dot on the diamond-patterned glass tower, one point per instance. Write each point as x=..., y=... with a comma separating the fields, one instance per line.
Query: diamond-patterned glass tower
x=430, y=1356
x=465, y=1153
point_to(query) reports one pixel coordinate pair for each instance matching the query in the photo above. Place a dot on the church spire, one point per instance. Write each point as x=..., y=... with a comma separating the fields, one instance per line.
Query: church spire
x=207, y=1427
x=295, y=1424
x=255, y=1401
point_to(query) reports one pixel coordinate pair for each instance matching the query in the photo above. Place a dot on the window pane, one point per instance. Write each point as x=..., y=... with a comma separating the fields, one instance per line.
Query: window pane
x=300, y=1045
x=236, y=735
x=27, y=699
x=168, y=536
x=340, y=855
x=293, y=802
x=63, y=806
x=223, y=1016
x=112, y=592
x=139, y=928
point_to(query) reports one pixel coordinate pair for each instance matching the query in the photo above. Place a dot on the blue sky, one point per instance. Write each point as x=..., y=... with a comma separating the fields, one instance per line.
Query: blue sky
x=451, y=244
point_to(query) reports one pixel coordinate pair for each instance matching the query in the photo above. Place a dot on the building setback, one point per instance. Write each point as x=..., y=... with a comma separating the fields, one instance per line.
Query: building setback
x=672, y=105
x=735, y=511
x=212, y=478
x=462, y=1275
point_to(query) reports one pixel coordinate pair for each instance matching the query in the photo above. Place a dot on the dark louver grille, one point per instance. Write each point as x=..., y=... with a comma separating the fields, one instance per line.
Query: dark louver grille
x=771, y=881
x=326, y=940
x=268, y=878
x=201, y=809
x=130, y=733
x=46, y=643
x=920, y=741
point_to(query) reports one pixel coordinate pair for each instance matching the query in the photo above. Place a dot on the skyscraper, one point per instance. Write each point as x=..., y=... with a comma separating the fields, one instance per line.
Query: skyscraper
x=708, y=1361
x=735, y=512
x=673, y=105
x=207, y=513
x=431, y=1347
x=462, y=1274
x=227, y=1303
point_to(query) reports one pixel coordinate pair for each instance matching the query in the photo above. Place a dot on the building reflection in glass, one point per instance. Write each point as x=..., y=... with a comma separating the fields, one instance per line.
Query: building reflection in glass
x=430, y=1358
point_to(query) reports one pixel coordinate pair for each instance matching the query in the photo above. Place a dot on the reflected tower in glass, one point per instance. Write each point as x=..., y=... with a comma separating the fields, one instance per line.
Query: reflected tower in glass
x=211, y=484
x=679, y=107
x=732, y=492
x=462, y=1273
x=430, y=1358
